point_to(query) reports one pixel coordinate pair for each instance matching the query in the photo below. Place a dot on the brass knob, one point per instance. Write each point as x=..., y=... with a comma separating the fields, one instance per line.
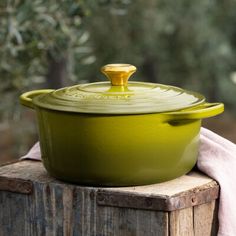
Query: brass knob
x=118, y=74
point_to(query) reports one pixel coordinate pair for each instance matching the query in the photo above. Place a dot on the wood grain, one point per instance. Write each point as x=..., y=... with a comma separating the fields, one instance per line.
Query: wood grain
x=131, y=222
x=183, y=192
x=55, y=208
x=181, y=222
x=206, y=219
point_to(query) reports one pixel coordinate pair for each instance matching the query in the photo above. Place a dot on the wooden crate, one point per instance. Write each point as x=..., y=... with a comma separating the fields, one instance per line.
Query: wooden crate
x=33, y=203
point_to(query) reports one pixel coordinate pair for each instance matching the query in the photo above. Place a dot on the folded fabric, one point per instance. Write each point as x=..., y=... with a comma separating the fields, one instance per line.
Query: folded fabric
x=34, y=153
x=217, y=159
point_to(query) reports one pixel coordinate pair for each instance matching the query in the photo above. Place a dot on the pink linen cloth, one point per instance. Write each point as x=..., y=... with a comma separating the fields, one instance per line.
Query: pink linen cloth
x=217, y=159
x=34, y=153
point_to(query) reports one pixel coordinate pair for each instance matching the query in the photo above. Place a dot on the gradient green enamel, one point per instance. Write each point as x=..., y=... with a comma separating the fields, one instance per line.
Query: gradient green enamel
x=116, y=150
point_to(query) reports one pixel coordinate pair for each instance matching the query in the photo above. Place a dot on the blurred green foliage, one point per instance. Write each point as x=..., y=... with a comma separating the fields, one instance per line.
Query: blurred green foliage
x=31, y=32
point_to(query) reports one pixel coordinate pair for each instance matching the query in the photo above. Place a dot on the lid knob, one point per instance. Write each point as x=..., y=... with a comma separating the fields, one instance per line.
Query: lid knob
x=118, y=74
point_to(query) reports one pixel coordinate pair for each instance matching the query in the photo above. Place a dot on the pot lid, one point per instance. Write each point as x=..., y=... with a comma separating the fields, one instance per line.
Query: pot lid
x=119, y=96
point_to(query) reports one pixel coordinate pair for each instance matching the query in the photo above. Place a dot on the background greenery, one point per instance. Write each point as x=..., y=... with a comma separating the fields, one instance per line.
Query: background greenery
x=55, y=43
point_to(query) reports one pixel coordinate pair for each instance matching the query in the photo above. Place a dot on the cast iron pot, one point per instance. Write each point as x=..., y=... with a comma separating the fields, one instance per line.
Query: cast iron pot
x=118, y=133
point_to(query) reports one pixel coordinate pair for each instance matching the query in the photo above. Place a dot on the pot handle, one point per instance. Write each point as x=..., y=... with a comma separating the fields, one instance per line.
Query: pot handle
x=200, y=112
x=26, y=98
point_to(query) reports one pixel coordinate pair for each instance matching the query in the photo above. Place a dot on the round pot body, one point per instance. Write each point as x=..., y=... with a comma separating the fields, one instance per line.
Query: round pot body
x=118, y=133
x=116, y=150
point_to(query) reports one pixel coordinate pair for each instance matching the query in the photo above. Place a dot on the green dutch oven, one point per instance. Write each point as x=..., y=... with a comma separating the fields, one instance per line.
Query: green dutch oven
x=119, y=133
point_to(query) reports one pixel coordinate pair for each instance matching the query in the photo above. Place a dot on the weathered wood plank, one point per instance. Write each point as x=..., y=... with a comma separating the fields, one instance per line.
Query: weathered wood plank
x=56, y=208
x=181, y=222
x=160, y=203
x=14, y=214
x=206, y=219
x=74, y=212
x=183, y=192
x=191, y=183
x=67, y=199
x=131, y=222
x=192, y=198
x=26, y=170
x=16, y=185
